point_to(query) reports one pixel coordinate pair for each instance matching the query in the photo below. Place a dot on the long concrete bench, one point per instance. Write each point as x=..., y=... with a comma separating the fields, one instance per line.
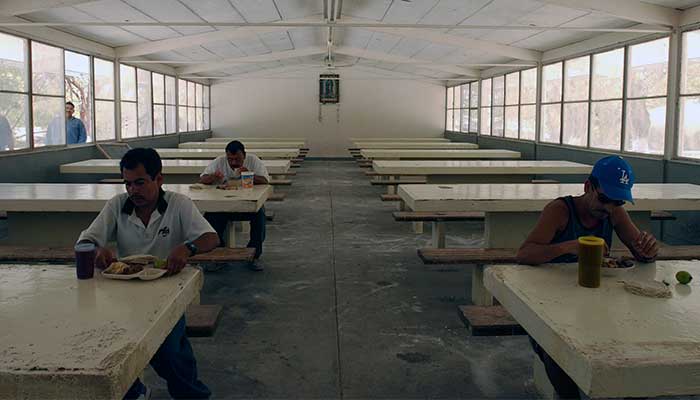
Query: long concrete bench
x=281, y=182
x=392, y=184
x=438, y=220
x=283, y=174
x=277, y=196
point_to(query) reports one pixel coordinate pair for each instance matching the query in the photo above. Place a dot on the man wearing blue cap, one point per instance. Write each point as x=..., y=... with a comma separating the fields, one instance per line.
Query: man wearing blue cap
x=597, y=212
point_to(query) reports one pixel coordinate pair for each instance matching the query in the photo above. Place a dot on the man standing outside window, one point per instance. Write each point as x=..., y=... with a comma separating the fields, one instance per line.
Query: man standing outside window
x=75, y=129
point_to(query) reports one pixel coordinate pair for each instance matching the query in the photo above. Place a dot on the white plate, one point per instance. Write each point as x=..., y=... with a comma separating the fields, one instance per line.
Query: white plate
x=147, y=274
x=615, y=271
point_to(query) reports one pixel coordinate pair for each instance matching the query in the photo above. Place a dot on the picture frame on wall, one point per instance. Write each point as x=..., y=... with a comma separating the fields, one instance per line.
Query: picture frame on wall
x=329, y=88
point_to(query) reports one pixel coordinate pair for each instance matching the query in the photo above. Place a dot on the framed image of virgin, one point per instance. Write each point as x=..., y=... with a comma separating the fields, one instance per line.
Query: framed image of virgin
x=329, y=88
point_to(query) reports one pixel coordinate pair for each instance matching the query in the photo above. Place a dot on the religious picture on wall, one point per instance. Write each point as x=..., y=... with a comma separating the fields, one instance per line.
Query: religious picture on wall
x=329, y=88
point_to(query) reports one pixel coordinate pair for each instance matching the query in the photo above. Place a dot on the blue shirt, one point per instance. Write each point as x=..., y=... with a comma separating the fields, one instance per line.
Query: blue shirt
x=75, y=131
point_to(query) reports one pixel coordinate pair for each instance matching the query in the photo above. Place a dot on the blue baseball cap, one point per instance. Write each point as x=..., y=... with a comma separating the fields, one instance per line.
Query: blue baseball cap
x=615, y=177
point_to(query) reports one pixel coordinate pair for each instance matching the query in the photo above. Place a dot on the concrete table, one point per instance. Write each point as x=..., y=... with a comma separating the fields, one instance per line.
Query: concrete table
x=256, y=139
x=512, y=210
x=55, y=214
x=175, y=171
x=408, y=154
x=64, y=338
x=610, y=342
x=210, y=154
x=253, y=145
x=399, y=139
x=416, y=145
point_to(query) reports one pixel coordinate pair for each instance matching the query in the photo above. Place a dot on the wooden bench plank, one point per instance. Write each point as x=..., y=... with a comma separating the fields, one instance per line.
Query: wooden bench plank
x=390, y=197
x=662, y=216
x=111, y=180
x=288, y=173
x=507, y=256
x=277, y=196
x=489, y=321
x=64, y=254
x=544, y=181
x=202, y=320
x=438, y=216
x=281, y=182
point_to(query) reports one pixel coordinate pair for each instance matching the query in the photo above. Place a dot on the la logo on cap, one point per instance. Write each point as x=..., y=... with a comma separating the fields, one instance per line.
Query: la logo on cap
x=624, y=178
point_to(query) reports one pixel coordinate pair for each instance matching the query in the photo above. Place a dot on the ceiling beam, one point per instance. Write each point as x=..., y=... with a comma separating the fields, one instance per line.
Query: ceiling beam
x=275, y=56
x=392, y=58
x=17, y=7
x=632, y=10
x=690, y=16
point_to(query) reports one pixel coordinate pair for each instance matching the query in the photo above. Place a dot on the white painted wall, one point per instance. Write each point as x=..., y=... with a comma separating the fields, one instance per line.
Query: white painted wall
x=286, y=107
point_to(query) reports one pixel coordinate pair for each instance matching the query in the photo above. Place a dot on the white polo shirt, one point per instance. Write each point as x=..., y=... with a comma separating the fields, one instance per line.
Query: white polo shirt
x=251, y=163
x=175, y=221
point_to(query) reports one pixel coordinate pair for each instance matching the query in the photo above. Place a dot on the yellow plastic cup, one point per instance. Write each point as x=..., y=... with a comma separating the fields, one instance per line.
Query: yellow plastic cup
x=590, y=260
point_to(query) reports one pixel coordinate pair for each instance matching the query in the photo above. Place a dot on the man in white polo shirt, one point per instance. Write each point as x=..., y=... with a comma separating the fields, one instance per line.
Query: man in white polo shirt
x=229, y=167
x=149, y=220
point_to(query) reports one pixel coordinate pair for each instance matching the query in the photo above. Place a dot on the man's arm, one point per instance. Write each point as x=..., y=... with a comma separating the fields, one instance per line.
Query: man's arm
x=197, y=230
x=212, y=174
x=642, y=245
x=260, y=180
x=537, y=248
x=99, y=233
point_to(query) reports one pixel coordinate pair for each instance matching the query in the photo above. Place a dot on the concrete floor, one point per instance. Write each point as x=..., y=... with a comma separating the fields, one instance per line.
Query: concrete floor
x=345, y=308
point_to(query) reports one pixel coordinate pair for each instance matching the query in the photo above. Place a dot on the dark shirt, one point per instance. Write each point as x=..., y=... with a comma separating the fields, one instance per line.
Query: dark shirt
x=574, y=230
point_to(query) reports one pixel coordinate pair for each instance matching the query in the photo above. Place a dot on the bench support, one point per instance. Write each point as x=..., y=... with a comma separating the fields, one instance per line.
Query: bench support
x=417, y=227
x=438, y=234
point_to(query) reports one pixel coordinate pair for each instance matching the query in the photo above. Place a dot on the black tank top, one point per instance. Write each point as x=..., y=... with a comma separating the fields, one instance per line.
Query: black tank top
x=574, y=229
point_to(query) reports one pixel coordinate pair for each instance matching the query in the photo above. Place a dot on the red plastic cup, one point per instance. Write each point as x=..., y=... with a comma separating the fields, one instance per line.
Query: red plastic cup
x=85, y=260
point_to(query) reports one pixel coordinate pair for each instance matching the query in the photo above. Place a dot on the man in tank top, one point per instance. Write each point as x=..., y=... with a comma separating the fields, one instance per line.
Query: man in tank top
x=598, y=212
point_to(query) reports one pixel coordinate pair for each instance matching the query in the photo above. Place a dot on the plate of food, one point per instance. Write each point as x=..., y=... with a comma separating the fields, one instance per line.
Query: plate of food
x=143, y=267
x=616, y=266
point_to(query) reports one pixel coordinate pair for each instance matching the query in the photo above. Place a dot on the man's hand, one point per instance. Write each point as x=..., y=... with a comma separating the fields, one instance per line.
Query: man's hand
x=178, y=259
x=104, y=257
x=646, y=246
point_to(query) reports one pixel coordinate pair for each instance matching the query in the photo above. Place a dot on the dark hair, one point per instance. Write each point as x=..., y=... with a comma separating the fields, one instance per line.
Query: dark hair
x=234, y=147
x=68, y=103
x=594, y=181
x=149, y=158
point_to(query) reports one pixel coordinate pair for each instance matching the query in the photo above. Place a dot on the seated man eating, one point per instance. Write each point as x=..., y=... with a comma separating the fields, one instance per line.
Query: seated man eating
x=148, y=220
x=598, y=212
x=228, y=168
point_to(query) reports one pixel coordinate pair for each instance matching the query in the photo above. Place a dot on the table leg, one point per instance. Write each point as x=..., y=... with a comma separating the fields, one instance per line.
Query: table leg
x=417, y=227
x=391, y=189
x=230, y=234
x=438, y=234
x=542, y=383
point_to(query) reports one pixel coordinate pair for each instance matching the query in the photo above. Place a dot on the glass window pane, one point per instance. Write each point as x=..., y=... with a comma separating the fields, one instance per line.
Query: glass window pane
x=474, y=120
x=608, y=69
x=13, y=121
x=206, y=118
x=486, y=93
x=190, y=94
x=191, y=122
x=512, y=88
x=449, y=115
x=198, y=95
x=104, y=120
x=128, y=120
x=49, y=121
x=145, y=103
x=499, y=87
x=199, y=115
x=474, y=95
x=206, y=96
x=577, y=72
x=47, y=69
x=551, y=123
x=182, y=119
x=497, y=128
x=528, y=86
x=465, y=119
x=689, y=127
x=464, y=96
x=127, y=82
x=456, y=120
x=528, y=121
x=13, y=63
x=486, y=121
x=690, y=74
x=512, y=122
x=170, y=119
x=158, y=120
x=170, y=90
x=458, y=97
x=181, y=92
x=648, y=70
x=450, y=97
x=551, y=78
x=575, y=127
x=104, y=79
x=77, y=83
x=606, y=125
x=158, y=88
x=645, y=126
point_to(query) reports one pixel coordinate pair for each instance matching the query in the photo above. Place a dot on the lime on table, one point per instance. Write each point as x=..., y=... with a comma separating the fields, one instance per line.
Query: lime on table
x=160, y=263
x=684, y=277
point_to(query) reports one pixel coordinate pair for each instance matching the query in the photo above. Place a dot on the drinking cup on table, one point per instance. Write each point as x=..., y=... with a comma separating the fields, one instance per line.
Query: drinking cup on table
x=247, y=179
x=85, y=260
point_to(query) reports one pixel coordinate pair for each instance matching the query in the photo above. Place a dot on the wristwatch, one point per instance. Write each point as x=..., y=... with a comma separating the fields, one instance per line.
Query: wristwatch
x=192, y=248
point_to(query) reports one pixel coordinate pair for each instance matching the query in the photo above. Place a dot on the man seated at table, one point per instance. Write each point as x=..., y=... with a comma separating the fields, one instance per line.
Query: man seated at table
x=149, y=220
x=225, y=170
x=597, y=212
